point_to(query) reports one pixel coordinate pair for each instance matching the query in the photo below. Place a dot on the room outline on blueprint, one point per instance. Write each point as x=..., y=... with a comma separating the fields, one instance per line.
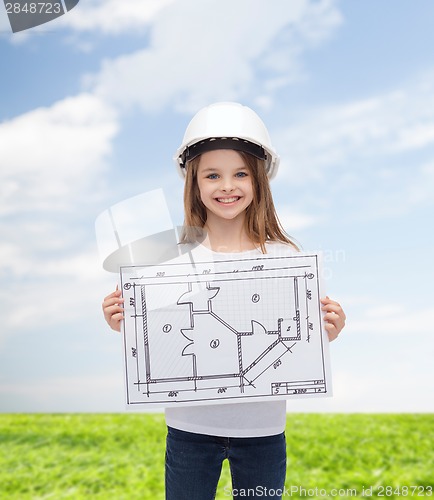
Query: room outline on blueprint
x=203, y=332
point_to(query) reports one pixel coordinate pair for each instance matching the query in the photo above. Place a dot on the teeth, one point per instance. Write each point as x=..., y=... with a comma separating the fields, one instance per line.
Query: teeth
x=228, y=200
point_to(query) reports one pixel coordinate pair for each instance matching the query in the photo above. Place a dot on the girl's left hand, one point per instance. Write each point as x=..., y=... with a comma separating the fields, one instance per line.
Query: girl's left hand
x=334, y=317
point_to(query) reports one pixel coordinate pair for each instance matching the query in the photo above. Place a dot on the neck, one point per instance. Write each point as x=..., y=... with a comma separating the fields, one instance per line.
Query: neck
x=227, y=235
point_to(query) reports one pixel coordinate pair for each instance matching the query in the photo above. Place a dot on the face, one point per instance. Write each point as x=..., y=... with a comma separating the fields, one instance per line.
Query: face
x=225, y=184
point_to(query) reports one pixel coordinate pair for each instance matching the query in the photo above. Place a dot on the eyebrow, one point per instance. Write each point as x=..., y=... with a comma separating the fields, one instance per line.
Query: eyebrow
x=216, y=169
x=208, y=169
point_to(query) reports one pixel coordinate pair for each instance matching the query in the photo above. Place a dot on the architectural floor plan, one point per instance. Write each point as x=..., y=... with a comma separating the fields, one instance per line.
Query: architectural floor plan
x=223, y=331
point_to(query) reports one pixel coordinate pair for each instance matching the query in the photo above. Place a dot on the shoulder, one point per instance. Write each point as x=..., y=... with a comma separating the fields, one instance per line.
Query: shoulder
x=277, y=248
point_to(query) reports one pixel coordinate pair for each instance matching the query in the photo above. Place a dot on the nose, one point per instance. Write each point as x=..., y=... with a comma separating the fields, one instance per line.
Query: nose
x=227, y=184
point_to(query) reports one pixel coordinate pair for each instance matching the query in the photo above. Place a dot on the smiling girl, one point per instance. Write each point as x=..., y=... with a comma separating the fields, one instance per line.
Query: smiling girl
x=227, y=160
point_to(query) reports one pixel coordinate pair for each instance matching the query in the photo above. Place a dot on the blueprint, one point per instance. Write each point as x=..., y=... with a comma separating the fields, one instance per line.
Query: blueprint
x=224, y=331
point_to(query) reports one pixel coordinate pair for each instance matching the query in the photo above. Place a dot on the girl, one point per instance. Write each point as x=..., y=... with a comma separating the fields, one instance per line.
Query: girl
x=227, y=160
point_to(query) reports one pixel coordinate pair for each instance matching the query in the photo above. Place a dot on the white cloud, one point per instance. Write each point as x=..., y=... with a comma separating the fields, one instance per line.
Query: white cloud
x=198, y=53
x=4, y=22
x=50, y=157
x=52, y=162
x=351, y=137
x=370, y=159
x=385, y=311
x=421, y=188
x=395, y=319
x=428, y=169
x=54, y=289
x=113, y=17
x=292, y=220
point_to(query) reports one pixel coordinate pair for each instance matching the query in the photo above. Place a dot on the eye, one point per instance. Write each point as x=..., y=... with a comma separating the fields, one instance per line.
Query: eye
x=212, y=176
x=241, y=174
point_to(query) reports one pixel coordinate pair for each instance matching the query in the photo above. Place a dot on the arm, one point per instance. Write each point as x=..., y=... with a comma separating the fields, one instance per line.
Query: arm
x=113, y=310
x=334, y=318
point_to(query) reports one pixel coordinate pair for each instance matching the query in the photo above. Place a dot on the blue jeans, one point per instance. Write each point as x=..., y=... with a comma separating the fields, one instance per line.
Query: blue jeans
x=194, y=463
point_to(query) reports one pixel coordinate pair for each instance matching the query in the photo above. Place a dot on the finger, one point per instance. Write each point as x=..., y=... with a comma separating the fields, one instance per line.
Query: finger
x=332, y=331
x=115, y=324
x=330, y=327
x=112, y=301
x=334, y=318
x=116, y=293
x=114, y=320
x=114, y=309
x=335, y=325
x=330, y=303
x=334, y=308
x=109, y=312
x=326, y=299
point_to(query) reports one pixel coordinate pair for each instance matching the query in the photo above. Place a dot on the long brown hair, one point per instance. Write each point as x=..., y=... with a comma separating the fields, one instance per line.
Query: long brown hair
x=261, y=222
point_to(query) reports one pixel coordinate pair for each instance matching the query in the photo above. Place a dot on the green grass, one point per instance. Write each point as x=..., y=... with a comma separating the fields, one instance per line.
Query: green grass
x=122, y=456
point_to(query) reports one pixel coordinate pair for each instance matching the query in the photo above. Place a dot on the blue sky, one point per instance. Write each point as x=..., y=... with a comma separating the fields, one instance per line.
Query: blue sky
x=93, y=106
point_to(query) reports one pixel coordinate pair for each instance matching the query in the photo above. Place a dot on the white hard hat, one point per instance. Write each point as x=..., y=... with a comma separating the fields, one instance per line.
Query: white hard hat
x=227, y=125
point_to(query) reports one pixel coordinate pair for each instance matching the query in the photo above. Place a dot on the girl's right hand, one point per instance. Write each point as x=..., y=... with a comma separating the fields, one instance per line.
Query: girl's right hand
x=113, y=310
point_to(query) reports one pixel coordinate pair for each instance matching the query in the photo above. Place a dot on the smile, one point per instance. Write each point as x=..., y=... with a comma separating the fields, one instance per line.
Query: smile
x=228, y=200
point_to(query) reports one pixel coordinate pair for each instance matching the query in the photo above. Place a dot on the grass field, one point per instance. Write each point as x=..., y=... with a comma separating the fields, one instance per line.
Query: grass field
x=121, y=456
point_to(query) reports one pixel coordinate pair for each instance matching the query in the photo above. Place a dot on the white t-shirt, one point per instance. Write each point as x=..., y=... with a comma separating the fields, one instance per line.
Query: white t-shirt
x=244, y=419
